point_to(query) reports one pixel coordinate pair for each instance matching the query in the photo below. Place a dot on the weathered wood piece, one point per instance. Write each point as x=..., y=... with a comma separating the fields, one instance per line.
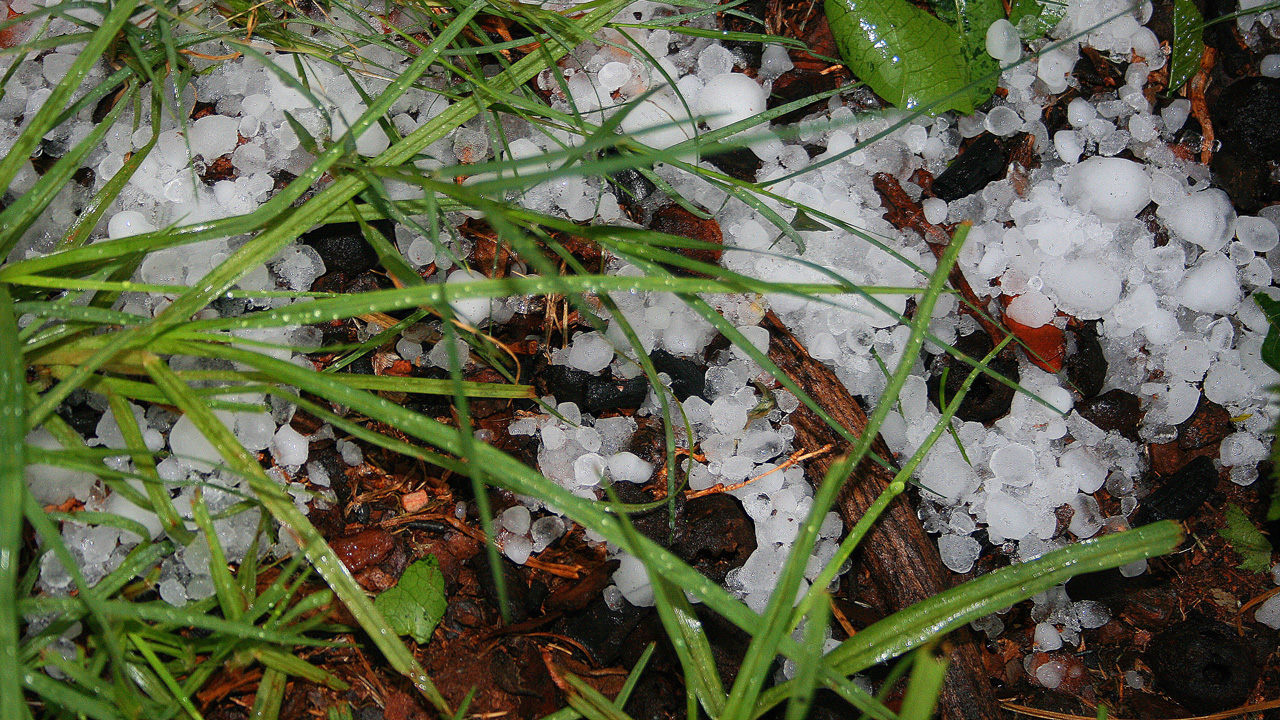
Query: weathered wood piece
x=901, y=561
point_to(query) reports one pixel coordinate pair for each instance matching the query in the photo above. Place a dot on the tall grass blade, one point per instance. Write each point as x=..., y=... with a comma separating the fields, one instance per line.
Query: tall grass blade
x=12, y=487
x=928, y=671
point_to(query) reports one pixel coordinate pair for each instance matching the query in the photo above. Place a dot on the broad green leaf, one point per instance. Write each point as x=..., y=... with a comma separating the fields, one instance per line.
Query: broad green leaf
x=1253, y=547
x=416, y=603
x=1188, y=43
x=909, y=57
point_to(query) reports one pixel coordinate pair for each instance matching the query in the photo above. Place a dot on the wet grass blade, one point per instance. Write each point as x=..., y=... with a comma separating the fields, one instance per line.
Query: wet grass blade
x=12, y=488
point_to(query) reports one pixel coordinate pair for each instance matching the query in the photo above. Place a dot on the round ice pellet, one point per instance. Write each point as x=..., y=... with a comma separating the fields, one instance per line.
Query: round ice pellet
x=1257, y=233
x=127, y=223
x=1081, y=112
x=613, y=76
x=730, y=97
x=472, y=311
x=1003, y=121
x=1003, y=43
x=935, y=210
x=1068, y=145
x=1269, y=66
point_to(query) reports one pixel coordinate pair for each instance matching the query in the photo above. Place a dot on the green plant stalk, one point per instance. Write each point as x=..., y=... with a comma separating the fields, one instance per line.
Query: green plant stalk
x=915, y=626
x=12, y=488
x=313, y=546
x=230, y=597
x=270, y=695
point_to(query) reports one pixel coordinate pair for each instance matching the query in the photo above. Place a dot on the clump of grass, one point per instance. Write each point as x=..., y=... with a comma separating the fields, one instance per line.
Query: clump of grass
x=103, y=651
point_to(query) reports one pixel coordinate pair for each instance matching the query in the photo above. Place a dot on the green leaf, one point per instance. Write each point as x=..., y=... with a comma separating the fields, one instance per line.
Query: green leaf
x=1247, y=540
x=1188, y=43
x=416, y=603
x=913, y=59
x=1271, y=345
x=804, y=221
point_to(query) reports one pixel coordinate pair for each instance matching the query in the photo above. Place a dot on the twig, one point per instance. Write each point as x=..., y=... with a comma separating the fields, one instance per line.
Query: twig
x=1050, y=715
x=797, y=456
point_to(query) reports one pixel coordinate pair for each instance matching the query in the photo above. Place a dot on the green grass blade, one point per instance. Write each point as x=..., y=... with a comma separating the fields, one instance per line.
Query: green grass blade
x=297, y=667
x=65, y=696
x=270, y=695
x=230, y=597
x=160, y=670
x=12, y=488
x=809, y=665
x=927, y=674
x=588, y=701
x=144, y=463
x=915, y=626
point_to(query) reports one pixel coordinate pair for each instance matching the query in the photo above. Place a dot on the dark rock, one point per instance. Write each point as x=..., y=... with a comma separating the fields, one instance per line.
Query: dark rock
x=743, y=21
x=687, y=377
x=799, y=84
x=1203, y=665
x=1178, y=496
x=631, y=187
x=982, y=162
x=601, y=631
x=591, y=393
x=516, y=586
x=362, y=365
x=714, y=535
x=229, y=307
x=1114, y=411
x=81, y=416
x=1107, y=584
x=342, y=246
x=1232, y=56
x=740, y=163
x=987, y=399
x=1246, y=120
x=1086, y=364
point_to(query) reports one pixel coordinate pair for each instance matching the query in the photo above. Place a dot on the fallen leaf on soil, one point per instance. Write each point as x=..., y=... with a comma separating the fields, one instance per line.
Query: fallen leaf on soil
x=416, y=603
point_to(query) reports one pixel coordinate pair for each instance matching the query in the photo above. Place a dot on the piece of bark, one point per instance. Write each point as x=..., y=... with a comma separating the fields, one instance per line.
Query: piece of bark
x=902, y=561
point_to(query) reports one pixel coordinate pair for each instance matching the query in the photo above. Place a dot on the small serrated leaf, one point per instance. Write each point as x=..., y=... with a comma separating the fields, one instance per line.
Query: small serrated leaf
x=805, y=221
x=417, y=602
x=1247, y=540
x=1188, y=43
